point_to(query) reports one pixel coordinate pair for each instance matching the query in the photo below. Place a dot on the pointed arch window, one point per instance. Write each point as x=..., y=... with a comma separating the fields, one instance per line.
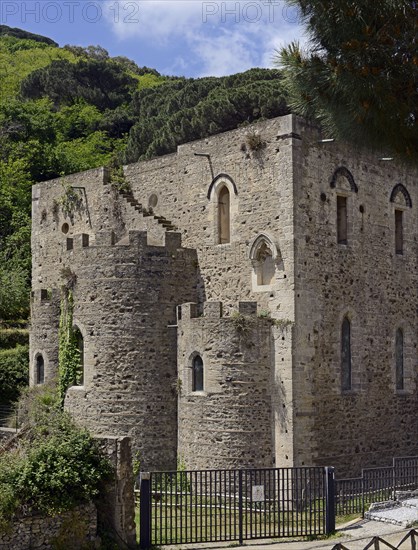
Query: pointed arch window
x=346, y=375
x=401, y=199
x=40, y=370
x=266, y=267
x=342, y=220
x=399, y=359
x=266, y=259
x=224, y=215
x=398, y=231
x=197, y=373
x=343, y=182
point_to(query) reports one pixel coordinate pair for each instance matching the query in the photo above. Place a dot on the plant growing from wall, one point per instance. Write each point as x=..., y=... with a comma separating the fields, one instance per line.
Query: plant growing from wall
x=242, y=323
x=118, y=179
x=254, y=141
x=71, y=201
x=69, y=356
x=280, y=323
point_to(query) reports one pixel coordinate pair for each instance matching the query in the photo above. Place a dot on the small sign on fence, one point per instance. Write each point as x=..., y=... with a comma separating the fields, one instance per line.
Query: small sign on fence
x=258, y=493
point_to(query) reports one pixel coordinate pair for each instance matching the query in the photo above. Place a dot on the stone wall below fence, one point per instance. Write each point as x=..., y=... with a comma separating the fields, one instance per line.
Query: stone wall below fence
x=72, y=530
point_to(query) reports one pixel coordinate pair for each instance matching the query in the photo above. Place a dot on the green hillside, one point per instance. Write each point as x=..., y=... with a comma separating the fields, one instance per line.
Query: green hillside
x=64, y=110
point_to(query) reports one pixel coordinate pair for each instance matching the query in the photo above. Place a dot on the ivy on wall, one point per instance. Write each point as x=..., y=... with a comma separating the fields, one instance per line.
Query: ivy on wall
x=69, y=354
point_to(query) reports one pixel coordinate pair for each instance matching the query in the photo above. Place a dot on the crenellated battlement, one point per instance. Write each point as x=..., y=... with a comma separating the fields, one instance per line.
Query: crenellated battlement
x=213, y=310
x=135, y=239
x=46, y=296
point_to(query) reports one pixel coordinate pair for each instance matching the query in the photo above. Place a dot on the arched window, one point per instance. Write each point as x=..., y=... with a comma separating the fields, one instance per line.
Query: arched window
x=398, y=231
x=197, y=368
x=266, y=267
x=343, y=181
x=399, y=360
x=79, y=344
x=40, y=370
x=346, y=355
x=224, y=216
x=402, y=201
x=265, y=258
x=342, y=220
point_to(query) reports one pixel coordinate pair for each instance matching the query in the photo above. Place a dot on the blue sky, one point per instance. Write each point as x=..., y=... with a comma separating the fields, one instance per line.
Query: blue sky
x=182, y=37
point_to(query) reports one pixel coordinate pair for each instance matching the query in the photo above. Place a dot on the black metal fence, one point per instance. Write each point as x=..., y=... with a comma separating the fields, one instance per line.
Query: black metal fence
x=353, y=496
x=235, y=505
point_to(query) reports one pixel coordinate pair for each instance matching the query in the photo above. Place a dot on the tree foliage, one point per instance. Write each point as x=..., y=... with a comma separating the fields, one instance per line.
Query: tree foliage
x=183, y=110
x=99, y=82
x=22, y=34
x=14, y=375
x=359, y=76
x=64, y=110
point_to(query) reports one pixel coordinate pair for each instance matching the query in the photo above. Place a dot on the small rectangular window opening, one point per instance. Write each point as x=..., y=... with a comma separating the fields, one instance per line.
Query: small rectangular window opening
x=342, y=220
x=398, y=232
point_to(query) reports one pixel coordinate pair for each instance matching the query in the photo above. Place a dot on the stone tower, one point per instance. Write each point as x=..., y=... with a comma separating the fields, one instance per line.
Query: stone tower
x=239, y=305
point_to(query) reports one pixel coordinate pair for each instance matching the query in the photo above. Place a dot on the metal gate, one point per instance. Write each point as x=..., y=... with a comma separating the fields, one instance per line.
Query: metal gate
x=235, y=505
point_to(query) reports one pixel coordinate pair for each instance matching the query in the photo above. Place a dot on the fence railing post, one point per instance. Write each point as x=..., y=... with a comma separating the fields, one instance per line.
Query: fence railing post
x=145, y=511
x=329, y=500
x=394, y=481
x=240, y=509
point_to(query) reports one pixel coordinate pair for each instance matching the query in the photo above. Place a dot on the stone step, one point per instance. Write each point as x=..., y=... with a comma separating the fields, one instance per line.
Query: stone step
x=410, y=503
x=167, y=224
x=403, y=513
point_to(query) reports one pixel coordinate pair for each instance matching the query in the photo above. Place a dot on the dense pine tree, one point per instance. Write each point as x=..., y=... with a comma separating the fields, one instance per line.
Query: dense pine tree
x=360, y=74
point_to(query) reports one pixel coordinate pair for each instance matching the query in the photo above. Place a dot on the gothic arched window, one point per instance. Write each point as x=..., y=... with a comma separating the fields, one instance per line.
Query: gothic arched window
x=346, y=355
x=40, y=370
x=343, y=182
x=265, y=258
x=266, y=267
x=224, y=215
x=399, y=362
x=197, y=374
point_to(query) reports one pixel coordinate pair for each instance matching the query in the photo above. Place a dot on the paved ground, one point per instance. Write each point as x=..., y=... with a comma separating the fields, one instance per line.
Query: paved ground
x=355, y=536
x=405, y=514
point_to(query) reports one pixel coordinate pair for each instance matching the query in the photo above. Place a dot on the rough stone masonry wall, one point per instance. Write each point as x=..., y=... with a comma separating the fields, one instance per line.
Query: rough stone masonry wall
x=124, y=299
x=375, y=287
x=263, y=204
x=229, y=423
x=70, y=530
x=124, y=304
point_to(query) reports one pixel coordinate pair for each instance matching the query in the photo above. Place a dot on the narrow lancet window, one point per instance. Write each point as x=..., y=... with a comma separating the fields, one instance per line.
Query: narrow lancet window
x=342, y=220
x=197, y=383
x=266, y=267
x=399, y=231
x=399, y=360
x=346, y=355
x=224, y=216
x=40, y=370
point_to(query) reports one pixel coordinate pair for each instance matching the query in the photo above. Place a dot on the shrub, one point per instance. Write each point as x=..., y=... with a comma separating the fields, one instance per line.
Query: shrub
x=54, y=466
x=14, y=372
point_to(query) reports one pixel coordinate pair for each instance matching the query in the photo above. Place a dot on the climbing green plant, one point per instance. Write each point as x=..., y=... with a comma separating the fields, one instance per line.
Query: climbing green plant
x=118, y=179
x=69, y=356
x=71, y=201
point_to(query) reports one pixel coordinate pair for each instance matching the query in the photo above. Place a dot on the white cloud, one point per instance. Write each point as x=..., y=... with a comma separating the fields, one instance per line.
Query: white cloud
x=207, y=37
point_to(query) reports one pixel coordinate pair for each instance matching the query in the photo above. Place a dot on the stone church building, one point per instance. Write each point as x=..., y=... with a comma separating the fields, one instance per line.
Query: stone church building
x=250, y=300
